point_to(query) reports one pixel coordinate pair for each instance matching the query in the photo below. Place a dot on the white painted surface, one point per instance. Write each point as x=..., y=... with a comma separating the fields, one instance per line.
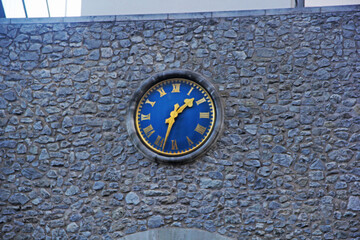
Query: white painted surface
x=320, y=3
x=124, y=7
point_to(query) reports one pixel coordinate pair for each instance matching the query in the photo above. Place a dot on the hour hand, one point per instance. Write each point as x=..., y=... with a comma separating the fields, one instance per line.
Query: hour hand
x=173, y=114
x=187, y=103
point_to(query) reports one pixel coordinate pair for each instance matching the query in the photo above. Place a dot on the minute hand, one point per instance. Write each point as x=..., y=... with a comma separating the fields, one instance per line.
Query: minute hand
x=174, y=114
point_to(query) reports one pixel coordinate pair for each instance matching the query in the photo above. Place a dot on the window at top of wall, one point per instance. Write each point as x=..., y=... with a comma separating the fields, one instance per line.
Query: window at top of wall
x=41, y=8
x=13, y=8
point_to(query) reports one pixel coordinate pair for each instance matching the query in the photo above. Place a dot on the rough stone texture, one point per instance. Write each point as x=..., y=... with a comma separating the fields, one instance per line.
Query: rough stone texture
x=287, y=165
x=354, y=203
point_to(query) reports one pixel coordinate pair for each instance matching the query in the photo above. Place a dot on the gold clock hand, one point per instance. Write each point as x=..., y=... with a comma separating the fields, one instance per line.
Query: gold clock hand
x=174, y=114
x=170, y=121
x=187, y=103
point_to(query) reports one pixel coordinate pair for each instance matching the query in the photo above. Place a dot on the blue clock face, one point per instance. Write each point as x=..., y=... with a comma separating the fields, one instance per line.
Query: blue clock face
x=175, y=117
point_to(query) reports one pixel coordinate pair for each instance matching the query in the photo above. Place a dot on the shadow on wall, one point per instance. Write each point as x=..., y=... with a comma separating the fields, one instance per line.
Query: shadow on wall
x=175, y=234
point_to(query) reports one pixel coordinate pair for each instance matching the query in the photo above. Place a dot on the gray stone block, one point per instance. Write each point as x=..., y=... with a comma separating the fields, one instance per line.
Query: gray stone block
x=354, y=203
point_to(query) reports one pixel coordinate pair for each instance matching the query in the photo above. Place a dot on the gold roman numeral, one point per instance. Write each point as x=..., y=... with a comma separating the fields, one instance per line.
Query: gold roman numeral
x=200, y=129
x=189, y=141
x=162, y=92
x=190, y=91
x=149, y=130
x=204, y=114
x=146, y=117
x=149, y=102
x=198, y=102
x=159, y=141
x=176, y=88
x=174, y=145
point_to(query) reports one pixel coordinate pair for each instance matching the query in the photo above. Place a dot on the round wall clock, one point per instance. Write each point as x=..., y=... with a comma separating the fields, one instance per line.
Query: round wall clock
x=175, y=116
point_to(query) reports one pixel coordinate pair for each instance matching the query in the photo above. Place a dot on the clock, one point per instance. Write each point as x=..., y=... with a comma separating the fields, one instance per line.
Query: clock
x=174, y=116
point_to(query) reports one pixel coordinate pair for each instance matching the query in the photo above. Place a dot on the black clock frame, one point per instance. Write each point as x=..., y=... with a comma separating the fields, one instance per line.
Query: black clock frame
x=178, y=73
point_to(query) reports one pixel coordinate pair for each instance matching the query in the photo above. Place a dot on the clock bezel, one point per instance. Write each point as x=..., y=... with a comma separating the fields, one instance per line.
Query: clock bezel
x=141, y=104
x=152, y=81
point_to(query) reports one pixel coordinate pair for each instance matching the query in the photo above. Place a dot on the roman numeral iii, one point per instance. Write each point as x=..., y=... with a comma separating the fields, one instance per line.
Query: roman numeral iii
x=204, y=114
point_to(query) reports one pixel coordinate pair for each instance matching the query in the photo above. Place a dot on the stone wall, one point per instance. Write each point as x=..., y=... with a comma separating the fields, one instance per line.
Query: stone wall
x=285, y=167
